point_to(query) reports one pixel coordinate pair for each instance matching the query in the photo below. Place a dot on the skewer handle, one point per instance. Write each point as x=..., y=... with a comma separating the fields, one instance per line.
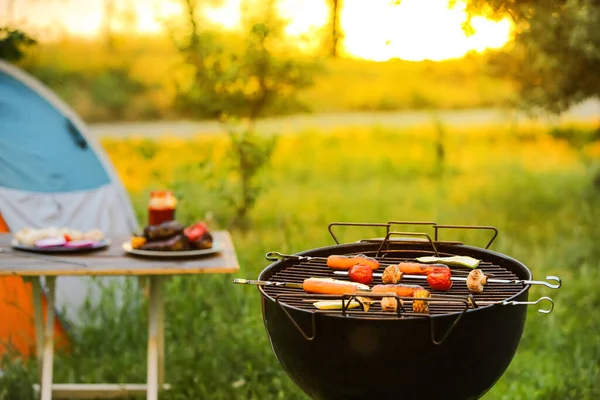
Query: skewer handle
x=266, y=283
x=547, y=284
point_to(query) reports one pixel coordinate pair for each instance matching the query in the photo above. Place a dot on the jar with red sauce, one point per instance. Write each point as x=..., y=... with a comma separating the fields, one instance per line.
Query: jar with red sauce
x=161, y=207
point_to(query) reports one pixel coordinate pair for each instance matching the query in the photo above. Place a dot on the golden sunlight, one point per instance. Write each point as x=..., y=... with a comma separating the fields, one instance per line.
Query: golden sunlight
x=375, y=30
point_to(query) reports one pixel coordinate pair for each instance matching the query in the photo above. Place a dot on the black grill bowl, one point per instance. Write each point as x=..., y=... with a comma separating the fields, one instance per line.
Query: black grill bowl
x=370, y=358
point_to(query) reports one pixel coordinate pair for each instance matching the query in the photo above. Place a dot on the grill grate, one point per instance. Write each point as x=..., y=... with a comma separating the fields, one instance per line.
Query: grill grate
x=298, y=271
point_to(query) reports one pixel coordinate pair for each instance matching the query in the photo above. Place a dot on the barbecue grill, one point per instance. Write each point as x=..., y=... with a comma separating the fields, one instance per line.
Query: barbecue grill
x=458, y=350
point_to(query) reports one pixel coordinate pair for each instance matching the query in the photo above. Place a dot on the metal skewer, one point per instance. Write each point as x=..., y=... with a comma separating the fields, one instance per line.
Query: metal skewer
x=458, y=278
x=267, y=283
x=276, y=256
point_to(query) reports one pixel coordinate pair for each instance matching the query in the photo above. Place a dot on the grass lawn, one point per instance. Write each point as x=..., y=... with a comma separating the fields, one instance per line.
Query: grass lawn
x=536, y=189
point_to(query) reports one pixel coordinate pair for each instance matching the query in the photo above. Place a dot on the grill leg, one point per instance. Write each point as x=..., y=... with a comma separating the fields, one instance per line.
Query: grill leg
x=48, y=355
x=155, y=338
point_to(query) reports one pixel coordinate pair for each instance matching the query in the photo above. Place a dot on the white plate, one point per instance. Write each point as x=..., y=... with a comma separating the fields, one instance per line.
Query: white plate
x=59, y=249
x=169, y=254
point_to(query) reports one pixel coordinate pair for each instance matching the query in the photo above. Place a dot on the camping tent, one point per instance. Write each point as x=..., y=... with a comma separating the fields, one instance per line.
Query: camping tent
x=52, y=173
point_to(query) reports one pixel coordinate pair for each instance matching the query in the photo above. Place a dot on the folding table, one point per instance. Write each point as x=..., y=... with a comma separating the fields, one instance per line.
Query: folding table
x=112, y=261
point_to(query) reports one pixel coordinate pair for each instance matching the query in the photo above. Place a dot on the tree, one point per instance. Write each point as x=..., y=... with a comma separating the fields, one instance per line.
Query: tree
x=555, y=56
x=336, y=31
x=12, y=42
x=238, y=79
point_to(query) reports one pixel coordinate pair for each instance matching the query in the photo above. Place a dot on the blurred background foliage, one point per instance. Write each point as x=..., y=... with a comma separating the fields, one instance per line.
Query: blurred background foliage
x=537, y=183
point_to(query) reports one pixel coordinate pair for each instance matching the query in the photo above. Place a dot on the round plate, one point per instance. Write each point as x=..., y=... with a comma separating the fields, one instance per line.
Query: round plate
x=169, y=254
x=59, y=249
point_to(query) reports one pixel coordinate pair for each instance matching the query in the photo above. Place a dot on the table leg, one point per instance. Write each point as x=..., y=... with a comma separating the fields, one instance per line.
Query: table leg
x=48, y=356
x=155, y=371
x=160, y=337
x=38, y=319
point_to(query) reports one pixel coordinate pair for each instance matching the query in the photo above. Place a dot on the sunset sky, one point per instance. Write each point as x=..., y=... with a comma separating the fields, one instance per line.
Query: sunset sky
x=373, y=29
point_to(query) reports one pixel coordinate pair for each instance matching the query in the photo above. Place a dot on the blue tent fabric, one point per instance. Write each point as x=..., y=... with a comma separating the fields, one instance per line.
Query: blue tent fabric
x=47, y=152
x=54, y=174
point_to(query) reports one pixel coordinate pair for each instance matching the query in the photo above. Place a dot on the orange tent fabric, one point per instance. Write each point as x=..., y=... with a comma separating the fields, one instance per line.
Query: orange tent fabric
x=17, y=327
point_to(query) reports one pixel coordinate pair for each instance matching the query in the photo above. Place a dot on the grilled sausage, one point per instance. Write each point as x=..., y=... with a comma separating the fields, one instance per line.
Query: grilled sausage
x=399, y=290
x=411, y=268
x=344, y=263
x=331, y=286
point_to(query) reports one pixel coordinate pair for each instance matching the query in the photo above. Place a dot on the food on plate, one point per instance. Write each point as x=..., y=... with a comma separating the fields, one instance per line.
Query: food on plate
x=331, y=286
x=454, y=261
x=476, y=280
x=440, y=279
x=178, y=242
x=57, y=237
x=398, y=290
x=344, y=263
x=137, y=242
x=94, y=234
x=338, y=305
x=173, y=236
x=391, y=274
x=51, y=242
x=199, y=236
x=80, y=244
x=361, y=273
x=163, y=231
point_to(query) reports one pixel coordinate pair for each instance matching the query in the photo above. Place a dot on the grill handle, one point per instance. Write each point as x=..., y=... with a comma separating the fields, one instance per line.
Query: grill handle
x=413, y=234
x=436, y=227
x=375, y=224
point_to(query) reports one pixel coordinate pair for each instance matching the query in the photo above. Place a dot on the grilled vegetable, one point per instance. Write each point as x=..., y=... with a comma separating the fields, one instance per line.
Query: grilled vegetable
x=337, y=304
x=399, y=290
x=390, y=303
x=334, y=304
x=137, y=242
x=440, y=279
x=344, y=263
x=454, y=261
x=163, y=231
x=203, y=242
x=361, y=273
x=420, y=306
x=176, y=243
x=391, y=274
x=196, y=231
x=476, y=280
x=331, y=286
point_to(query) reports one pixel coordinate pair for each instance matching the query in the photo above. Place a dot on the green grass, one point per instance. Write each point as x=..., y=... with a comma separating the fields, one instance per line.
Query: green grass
x=533, y=187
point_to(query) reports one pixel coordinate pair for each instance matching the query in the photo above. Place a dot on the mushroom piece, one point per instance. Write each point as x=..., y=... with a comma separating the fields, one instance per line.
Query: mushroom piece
x=390, y=303
x=391, y=274
x=476, y=280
